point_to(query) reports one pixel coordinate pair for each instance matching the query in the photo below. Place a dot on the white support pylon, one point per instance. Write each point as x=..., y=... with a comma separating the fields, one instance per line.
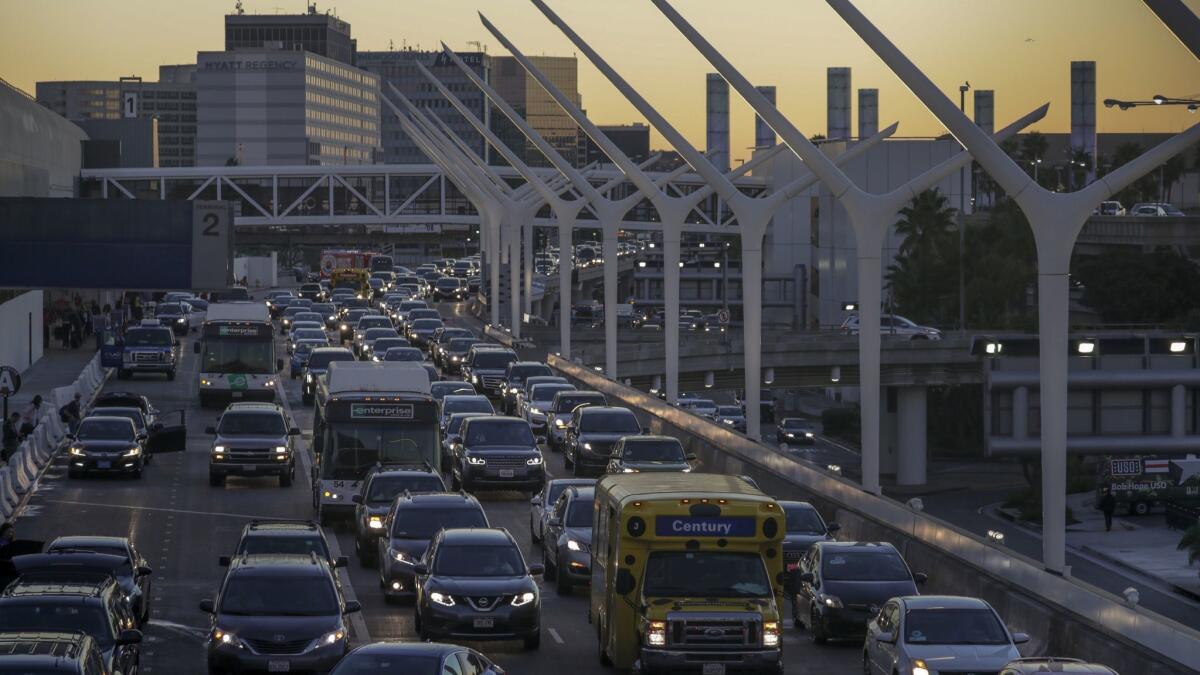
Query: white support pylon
x=870, y=216
x=672, y=210
x=1056, y=220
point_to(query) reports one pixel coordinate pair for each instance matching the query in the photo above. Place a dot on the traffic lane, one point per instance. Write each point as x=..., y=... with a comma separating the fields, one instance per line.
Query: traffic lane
x=178, y=522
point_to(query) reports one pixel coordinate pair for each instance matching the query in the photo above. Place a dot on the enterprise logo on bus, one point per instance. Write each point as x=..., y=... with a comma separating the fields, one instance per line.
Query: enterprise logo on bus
x=386, y=411
x=234, y=330
x=688, y=526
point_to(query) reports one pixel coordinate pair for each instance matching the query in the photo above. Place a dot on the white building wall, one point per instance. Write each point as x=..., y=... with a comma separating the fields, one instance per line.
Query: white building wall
x=21, y=339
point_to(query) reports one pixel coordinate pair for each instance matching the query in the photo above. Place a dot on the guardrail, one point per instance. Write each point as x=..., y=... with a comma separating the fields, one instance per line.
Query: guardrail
x=25, y=467
x=1066, y=616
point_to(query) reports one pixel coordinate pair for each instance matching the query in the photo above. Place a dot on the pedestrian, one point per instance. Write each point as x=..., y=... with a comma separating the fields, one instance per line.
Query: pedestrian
x=1107, y=505
x=33, y=413
x=12, y=435
x=72, y=412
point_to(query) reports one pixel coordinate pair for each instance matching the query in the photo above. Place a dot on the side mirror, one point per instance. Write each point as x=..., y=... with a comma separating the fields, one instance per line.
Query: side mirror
x=211, y=431
x=176, y=344
x=554, y=522
x=645, y=430
x=294, y=431
x=833, y=527
x=920, y=578
x=807, y=577
x=691, y=457
x=537, y=568
x=129, y=637
x=353, y=606
x=1020, y=638
x=142, y=437
x=454, y=439
x=536, y=500
x=144, y=571
x=207, y=606
x=156, y=427
x=420, y=569
x=341, y=561
x=196, y=347
x=889, y=638
x=224, y=561
x=357, y=499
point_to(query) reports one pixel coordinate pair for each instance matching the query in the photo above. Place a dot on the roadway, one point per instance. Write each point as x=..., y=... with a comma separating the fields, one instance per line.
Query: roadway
x=182, y=525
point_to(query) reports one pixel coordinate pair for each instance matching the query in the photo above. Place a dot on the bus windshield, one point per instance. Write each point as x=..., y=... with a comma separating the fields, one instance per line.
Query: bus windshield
x=238, y=356
x=706, y=574
x=356, y=447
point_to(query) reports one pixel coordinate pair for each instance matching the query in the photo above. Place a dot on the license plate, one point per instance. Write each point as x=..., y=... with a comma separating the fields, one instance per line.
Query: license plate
x=484, y=623
x=506, y=473
x=236, y=394
x=282, y=666
x=103, y=465
x=713, y=669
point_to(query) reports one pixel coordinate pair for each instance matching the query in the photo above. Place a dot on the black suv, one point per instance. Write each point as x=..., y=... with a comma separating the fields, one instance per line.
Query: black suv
x=252, y=439
x=484, y=367
x=591, y=435
x=65, y=601
x=283, y=537
x=132, y=573
x=514, y=378
x=451, y=353
x=635, y=454
x=278, y=613
x=449, y=289
x=442, y=338
x=318, y=365
x=412, y=521
x=476, y=585
x=50, y=653
x=497, y=452
x=379, y=489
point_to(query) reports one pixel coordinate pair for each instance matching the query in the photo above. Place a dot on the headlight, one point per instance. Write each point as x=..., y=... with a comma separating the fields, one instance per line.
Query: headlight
x=218, y=449
x=345, y=327
x=657, y=634
x=474, y=379
x=455, y=359
x=477, y=461
x=808, y=434
x=269, y=383
x=727, y=421
x=78, y=451
x=224, y=637
x=132, y=452
x=919, y=667
x=402, y=557
x=308, y=378
x=770, y=634
x=523, y=599
x=375, y=359
x=573, y=545
x=558, y=422
x=333, y=317
x=629, y=470
x=513, y=390
x=204, y=382
x=330, y=638
x=587, y=446
x=375, y=523
x=535, y=411
x=790, y=435
x=534, y=461
x=180, y=320
x=830, y=601
x=442, y=599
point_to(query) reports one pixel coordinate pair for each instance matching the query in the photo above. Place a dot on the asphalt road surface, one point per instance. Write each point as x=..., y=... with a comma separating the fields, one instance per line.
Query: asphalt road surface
x=182, y=525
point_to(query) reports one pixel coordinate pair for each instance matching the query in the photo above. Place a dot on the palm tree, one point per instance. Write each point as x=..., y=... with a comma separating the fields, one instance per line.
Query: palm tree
x=925, y=223
x=1034, y=145
x=1172, y=171
x=923, y=277
x=1190, y=542
x=1081, y=165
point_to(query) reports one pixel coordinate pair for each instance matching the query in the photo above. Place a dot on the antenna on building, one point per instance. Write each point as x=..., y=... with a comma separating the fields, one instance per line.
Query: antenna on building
x=391, y=45
x=478, y=45
x=238, y=7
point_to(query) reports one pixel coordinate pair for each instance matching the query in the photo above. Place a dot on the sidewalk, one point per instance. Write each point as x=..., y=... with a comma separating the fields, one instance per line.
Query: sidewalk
x=56, y=368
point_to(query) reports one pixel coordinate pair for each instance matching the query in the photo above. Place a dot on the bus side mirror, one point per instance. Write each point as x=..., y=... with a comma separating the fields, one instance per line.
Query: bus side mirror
x=625, y=582
x=196, y=347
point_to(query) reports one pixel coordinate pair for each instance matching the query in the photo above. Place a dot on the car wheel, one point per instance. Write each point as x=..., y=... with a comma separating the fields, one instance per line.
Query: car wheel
x=307, y=398
x=533, y=536
x=360, y=550
x=216, y=480
x=562, y=583
x=568, y=459
x=1139, y=508
x=550, y=572
x=122, y=374
x=285, y=479
x=422, y=634
x=137, y=473
x=815, y=632
x=533, y=641
x=71, y=473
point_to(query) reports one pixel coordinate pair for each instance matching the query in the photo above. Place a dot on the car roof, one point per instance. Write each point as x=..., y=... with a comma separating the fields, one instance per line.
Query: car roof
x=568, y=482
x=582, y=491
x=249, y=407
x=650, y=437
x=281, y=528
x=857, y=546
x=86, y=584
x=439, y=499
x=599, y=409
x=108, y=418
x=396, y=470
x=943, y=602
x=1051, y=664
x=280, y=563
x=463, y=397
x=84, y=541
x=41, y=649
x=396, y=647
x=479, y=536
x=329, y=350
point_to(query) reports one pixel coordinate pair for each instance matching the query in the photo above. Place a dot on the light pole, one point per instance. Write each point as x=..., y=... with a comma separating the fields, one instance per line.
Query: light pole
x=962, y=224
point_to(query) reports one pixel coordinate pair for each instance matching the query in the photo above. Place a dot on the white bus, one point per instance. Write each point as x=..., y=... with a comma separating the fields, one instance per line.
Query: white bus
x=369, y=413
x=237, y=354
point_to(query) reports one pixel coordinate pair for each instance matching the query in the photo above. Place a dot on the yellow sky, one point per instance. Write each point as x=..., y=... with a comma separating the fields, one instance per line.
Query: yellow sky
x=1020, y=48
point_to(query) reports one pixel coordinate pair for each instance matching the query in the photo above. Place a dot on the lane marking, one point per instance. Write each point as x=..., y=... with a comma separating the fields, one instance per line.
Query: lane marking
x=557, y=638
x=216, y=514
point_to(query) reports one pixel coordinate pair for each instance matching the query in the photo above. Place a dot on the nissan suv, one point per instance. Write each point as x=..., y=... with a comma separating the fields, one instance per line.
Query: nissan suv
x=411, y=523
x=252, y=439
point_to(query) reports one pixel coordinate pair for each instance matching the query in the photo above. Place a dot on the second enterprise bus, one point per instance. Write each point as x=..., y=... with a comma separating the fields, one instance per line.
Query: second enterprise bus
x=237, y=348
x=369, y=413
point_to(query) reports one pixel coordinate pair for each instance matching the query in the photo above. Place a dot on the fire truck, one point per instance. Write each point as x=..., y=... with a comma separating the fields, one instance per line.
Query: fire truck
x=344, y=259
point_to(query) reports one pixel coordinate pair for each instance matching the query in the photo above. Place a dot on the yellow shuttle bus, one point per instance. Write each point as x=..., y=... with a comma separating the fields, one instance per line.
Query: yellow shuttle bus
x=687, y=574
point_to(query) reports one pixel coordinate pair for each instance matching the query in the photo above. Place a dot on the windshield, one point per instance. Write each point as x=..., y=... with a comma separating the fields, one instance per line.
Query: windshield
x=706, y=574
x=493, y=360
x=309, y=334
x=253, y=424
x=286, y=595
x=412, y=304
x=478, y=561
x=456, y=422
x=447, y=283
x=863, y=567
x=440, y=390
x=58, y=618
x=462, y=344
x=803, y=521
x=169, y=308
x=139, y=337
x=426, y=324
x=374, y=322
x=569, y=403
x=319, y=360
x=610, y=422
x=519, y=373
x=380, y=664
x=385, y=489
x=580, y=513
x=653, y=451
x=358, y=447
x=499, y=432
x=424, y=523
x=289, y=545
x=479, y=404
x=381, y=345
x=543, y=393
x=953, y=627
x=403, y=354
x=729, y=411
x=238, y=356
x=376, y=333
x=795, y=424
x=105, y=430
x=132, y=414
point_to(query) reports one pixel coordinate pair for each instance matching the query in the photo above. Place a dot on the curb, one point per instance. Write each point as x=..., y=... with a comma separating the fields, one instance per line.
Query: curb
x=1117, y=562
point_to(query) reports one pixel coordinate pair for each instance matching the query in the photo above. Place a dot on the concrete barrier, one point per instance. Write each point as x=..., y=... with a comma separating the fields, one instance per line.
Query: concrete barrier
x=14, y=479
x=32, y=466
x=19, y=464
x=1068, y=616
x=8, y=495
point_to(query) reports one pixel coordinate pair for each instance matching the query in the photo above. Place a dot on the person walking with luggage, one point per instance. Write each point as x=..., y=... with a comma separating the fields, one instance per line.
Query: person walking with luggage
x=1107, y=505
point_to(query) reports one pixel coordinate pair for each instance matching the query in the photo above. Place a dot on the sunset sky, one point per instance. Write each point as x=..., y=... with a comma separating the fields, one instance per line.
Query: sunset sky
x=1020, y=48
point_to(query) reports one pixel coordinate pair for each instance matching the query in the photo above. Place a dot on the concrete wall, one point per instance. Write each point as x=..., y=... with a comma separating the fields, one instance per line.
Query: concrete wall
x=260, y=272
x=40, y=152
x=21, y=336
x=1065, y=617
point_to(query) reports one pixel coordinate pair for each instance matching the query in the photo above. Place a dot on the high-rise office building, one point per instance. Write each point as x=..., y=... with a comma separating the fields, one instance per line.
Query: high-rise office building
x=398, y=68
x=538, y=108
x=171, y=100
x=322, y=34
x=284, y=107
x=632, y=139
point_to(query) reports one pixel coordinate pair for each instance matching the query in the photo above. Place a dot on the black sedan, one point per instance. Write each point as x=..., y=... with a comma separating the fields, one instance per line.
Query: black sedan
x=476, y=585
x=415, y=659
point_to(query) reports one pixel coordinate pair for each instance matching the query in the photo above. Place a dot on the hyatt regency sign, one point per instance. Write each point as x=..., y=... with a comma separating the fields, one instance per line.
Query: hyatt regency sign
x=241, y=65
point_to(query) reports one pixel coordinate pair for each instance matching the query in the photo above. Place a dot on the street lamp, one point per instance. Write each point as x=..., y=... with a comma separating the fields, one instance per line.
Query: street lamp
x=962, y=223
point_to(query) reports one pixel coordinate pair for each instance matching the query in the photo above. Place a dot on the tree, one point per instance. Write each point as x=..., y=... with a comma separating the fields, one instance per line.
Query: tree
x=1081, y=164
x=1172, y=171
x=923, y=279
x=1000, y=270
x=1160, y=287
x=1142, y=190
x=1034, y=146
x=1190, y=542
